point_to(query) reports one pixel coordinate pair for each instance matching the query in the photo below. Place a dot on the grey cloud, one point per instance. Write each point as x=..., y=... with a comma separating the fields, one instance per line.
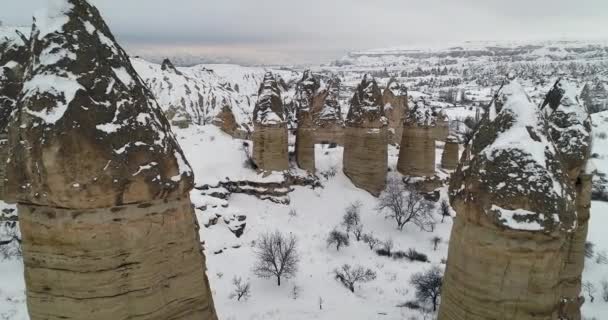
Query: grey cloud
x=313, y=30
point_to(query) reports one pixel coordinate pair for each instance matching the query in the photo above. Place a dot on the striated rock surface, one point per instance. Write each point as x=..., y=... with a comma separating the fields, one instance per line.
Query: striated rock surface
x=226, y=121
x=450, y=156
x=515, y=211
x=101, y=184
x=570, y=130
x=270, y=128
x=395, y=98
x=366, y=138
x=319, y=117
x=422, y=127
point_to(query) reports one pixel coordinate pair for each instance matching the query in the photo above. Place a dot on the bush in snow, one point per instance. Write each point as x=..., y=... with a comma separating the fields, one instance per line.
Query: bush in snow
x=413, y=305
x=445, y=210
x=351, y=217
x=589, y=252
x=406, y=205
x=399, y=255
x=338, y=239
x=10, y=241
x=242, y=289
x=358, y=232
x=428, y=286
x=293, y=213
x=605, y=290
x=601, y=257
x=329, y=173
x=371, y=241
x=589, y=288
x=277, y=256
x=386, y=248
x=435, y=241
x=349, y=276
x=295, y=292
x=414, y=255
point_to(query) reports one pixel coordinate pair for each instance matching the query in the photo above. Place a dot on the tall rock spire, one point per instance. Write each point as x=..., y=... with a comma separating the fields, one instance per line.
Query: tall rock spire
x=515, y=212
x=101, y=184
x=366, y=138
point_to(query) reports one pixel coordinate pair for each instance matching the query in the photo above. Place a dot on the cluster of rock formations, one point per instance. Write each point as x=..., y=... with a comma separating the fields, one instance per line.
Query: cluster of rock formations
x=101, y=184
x=270, y=136
x=522, y=202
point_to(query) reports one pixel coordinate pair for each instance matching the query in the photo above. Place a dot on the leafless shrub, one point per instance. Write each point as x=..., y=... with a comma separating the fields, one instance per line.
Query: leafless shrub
x=277, y=256
x=242, y=289
x=349, y=276
x=405, y=205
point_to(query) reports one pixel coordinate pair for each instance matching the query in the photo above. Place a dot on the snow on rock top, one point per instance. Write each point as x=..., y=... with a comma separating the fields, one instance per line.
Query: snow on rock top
x=366, y=108
x=269, y=109
x=13, y=56
x=518, y=168
x=569, y=126
x=81, y=101
x=422, y=114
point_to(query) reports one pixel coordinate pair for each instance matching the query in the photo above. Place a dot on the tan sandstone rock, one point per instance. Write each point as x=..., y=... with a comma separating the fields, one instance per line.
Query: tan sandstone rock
x=270, y=137
x=422, y=127
x=515, y=210
x=570, y=130
x=450, y=156
x=101, y=184
x=366, y=139
x=319, y=117
x=394, y=99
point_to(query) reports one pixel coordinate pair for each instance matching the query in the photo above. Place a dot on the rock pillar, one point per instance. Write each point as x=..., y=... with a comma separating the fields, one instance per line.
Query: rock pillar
x=450, y=159
x=101, y=185
x=366, y=139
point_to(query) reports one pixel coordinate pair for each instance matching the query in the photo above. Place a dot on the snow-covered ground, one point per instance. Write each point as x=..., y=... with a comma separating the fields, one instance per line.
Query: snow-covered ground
x=215, y=156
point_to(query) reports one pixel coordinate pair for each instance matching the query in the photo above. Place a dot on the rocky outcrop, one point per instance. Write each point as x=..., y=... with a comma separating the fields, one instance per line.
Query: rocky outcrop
x=450, y=156
x=366, y=139
x=515, y=212
x=570, y=130
x=270, y=128
x=101, y=184
x=226, y=121
x=319, y=117
x=394, y=99
x=14, y=54
x=422, y=127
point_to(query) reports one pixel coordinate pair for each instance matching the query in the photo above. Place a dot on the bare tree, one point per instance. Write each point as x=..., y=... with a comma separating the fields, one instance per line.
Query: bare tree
x=277, y=256
x=428, y=285
x=405, y=205
x=589, y=250
x=435, y=241
x=446, y=210
x=590, y=289
x=352, y=217
x=337, y=239
x=242, y=289
x=387, y=246
x=371, y=241
x=358, y=232
x=349, y=276
x=605, y=290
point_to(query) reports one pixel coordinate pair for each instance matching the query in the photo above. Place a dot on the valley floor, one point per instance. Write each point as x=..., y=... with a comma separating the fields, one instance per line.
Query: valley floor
x=215, y=156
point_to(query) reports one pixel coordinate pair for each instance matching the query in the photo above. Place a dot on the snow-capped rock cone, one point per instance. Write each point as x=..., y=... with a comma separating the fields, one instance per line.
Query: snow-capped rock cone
x=421, y=128
x=450, y=156
x=319, y=117
x=270, y=128
x=570, y=130
x=13, y=56
x=515, y=210
x=101, y=184
x=394, y=99
x=366, y=138
x=226, y=121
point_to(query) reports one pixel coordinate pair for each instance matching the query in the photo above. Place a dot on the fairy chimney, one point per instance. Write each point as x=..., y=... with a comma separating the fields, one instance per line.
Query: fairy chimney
x=366, y=138
x=270, y=128
x=102, y=186
x=450, y=156
x=319, y=117
x=570, y=130
x=417, y=152
x=515, y=210
x=394, y=100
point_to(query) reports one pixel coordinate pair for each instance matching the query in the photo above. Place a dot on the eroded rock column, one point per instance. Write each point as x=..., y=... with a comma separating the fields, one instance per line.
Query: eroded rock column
x=366, y=139
x=270, y=136
x=570, y=130
x=421, y=129
x=394, y=99
x=515, y=212
x=450, y=156
x=101, y=184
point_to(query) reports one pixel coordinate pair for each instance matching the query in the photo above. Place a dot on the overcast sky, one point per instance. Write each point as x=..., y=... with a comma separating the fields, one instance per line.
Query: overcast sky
x=317, y=31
